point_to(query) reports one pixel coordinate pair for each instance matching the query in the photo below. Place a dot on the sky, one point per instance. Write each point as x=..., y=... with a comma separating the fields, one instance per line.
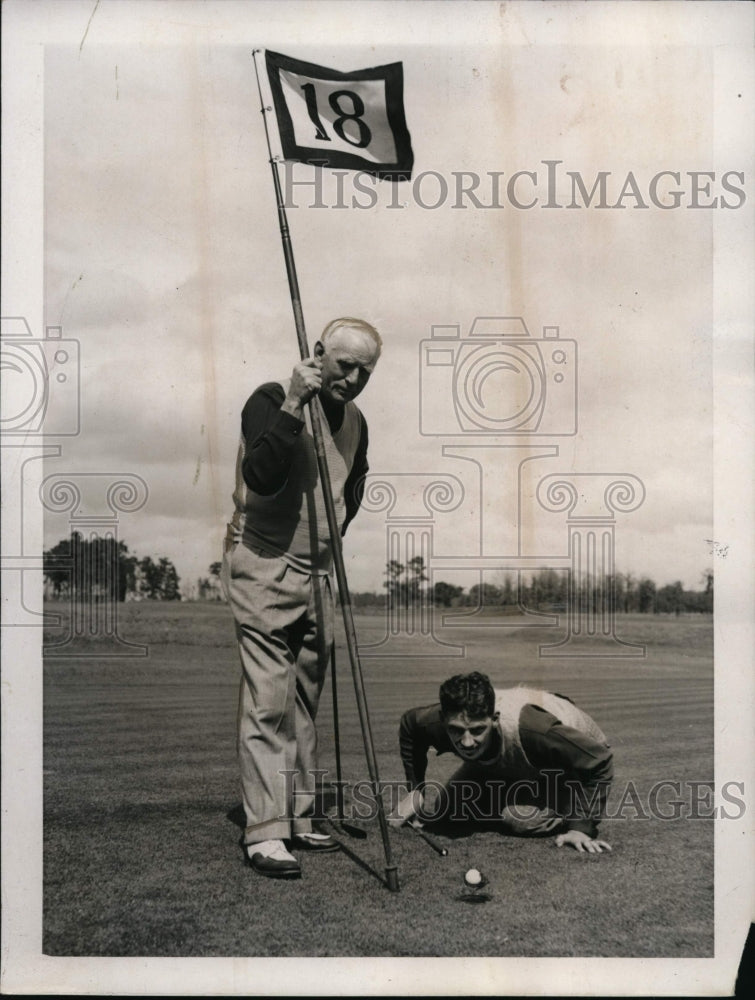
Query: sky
x=162, y=257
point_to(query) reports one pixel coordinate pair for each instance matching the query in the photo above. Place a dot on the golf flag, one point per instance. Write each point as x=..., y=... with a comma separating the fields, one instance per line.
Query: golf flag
x=350, y=120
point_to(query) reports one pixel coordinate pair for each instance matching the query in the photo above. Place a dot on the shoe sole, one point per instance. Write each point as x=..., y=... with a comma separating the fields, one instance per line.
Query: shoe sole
x=291, y=873
x=316, y=848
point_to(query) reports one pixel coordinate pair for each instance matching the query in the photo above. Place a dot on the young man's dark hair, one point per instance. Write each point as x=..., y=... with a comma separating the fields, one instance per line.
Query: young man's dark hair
x=470, y=693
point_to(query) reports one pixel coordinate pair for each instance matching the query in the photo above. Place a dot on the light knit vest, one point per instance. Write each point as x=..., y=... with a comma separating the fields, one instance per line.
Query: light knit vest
x=509, y=703
x=292, y=523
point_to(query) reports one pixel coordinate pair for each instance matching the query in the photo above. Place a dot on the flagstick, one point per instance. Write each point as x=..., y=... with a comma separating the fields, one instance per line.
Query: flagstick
x=391, y=870
x=336, y=734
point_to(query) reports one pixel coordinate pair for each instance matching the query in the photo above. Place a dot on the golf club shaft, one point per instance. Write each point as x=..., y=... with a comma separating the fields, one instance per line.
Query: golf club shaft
x=336, y=733
x=428, y=839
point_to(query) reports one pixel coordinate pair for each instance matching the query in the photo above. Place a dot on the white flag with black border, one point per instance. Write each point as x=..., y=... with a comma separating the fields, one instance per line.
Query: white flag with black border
x=350, y=120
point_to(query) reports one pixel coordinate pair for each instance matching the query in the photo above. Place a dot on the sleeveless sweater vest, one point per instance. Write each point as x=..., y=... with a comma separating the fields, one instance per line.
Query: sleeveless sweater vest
x=292, y=523
x=509, y=703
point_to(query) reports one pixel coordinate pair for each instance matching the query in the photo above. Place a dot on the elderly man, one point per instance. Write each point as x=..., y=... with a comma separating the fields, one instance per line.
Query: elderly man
x=534, y=763
x=276, y=575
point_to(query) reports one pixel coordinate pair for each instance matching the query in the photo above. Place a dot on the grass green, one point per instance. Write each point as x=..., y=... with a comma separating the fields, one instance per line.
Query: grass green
x=142, y=802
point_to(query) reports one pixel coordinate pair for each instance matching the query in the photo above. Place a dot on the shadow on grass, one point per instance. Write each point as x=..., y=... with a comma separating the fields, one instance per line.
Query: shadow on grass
x=361, y=863
x=456, y=829
x=237, y=816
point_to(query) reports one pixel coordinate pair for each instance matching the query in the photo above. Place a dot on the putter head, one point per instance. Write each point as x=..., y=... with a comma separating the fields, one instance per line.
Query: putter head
x=353, y=831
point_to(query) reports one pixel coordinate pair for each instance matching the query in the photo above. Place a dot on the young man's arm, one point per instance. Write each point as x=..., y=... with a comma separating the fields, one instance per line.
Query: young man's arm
x=585, y=773
x=416, y=736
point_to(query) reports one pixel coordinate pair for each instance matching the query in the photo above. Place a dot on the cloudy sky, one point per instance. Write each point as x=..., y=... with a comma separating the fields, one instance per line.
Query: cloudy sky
x=162, y=257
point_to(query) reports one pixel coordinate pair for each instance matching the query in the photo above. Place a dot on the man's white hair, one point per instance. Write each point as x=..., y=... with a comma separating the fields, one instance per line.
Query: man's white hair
x=349, y=322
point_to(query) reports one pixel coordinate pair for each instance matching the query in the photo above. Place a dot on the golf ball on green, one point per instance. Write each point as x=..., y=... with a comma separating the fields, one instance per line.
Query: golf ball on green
x=473, y=877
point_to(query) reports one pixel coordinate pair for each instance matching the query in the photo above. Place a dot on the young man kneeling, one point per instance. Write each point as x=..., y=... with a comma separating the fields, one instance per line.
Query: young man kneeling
x=534, y=763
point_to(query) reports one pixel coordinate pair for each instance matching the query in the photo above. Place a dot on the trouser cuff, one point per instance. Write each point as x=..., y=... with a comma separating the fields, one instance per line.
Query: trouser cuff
x=274, y=829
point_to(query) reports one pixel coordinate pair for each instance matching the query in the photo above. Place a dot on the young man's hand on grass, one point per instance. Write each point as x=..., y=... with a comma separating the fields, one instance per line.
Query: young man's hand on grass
x=581, y=842
x=407, y=808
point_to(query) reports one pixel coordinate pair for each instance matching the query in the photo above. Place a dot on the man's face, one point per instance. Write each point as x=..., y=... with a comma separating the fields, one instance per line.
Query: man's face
x=471, y=738
x=348, y=359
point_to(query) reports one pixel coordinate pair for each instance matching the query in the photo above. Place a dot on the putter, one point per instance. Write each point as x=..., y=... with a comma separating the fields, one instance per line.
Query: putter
x=429, y=839
x=353, y=831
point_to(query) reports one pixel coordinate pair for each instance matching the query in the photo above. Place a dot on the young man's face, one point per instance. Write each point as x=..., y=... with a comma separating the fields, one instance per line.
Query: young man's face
x=471, y=738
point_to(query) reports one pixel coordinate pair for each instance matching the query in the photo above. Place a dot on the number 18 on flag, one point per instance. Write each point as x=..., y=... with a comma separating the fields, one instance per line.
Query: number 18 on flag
x=351, y=120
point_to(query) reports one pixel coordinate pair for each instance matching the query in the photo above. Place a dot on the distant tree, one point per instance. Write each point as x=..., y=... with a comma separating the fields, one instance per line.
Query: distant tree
x=159, y=580
x=547, y=587
x=404, y=582
x=670, y=598
x=615, y=585
x=484, y=595
x=170, y=581
x=368, y=599
x=415, y=578
x=444, y=594
x=149, y=583
x=508, y=592
x=93, y=569
x=708, y=592
x=209, y=587
x=57, y=564
x=394, y=570
x=646, y=596
x=630, y=593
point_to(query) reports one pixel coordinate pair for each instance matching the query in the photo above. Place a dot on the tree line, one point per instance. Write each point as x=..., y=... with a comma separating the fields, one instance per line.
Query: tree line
x=101, y=568
x=541, y=590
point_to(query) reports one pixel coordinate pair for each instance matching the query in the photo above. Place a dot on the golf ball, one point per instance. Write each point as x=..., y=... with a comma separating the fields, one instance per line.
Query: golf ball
x=473, y=877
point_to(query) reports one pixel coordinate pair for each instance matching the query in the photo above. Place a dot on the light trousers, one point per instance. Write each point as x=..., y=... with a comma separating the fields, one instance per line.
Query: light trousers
x=284, y=627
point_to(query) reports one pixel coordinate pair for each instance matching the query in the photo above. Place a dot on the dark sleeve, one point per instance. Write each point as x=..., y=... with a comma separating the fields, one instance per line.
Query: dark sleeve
x=354, y=488
x=585, y=766
x=270, y=436
x=414, y=742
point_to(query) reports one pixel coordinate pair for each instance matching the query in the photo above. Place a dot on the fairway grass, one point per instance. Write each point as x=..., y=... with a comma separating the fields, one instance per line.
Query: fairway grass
x=141, y=823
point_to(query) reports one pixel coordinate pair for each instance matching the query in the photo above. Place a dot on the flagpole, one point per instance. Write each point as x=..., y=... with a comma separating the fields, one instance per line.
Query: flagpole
x=391, y=870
